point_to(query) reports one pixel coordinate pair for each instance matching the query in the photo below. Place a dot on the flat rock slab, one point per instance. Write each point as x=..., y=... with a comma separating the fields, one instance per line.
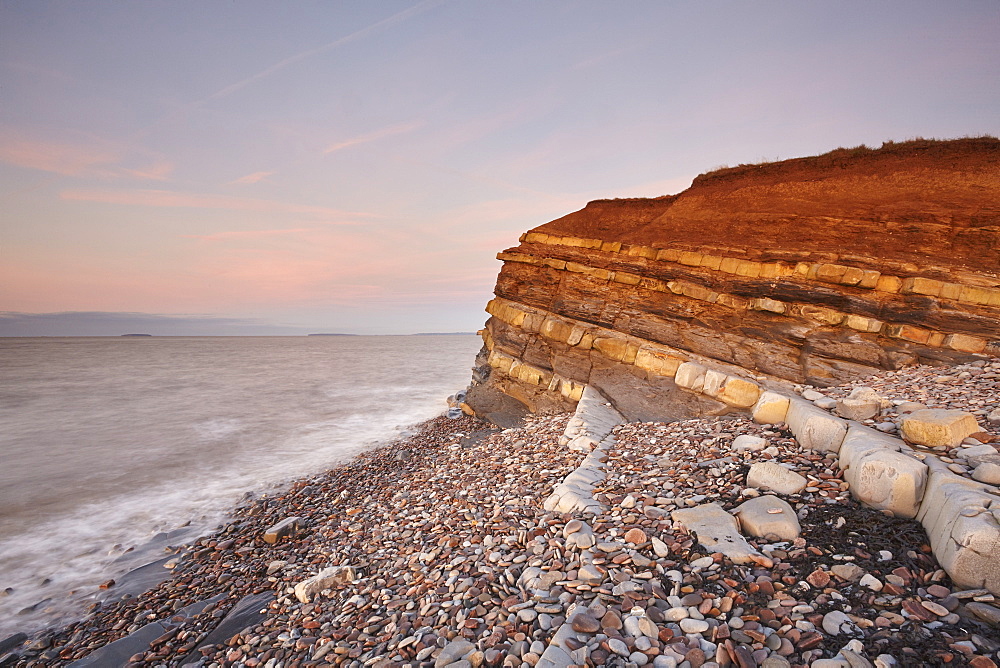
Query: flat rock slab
x=246, y=613
x=767, y=517
x=775, y=477
x=938, y=427
x=118, y=653
x=718, y=531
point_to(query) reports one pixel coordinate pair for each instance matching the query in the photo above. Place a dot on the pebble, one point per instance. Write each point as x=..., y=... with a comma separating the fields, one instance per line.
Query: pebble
x=446, y=559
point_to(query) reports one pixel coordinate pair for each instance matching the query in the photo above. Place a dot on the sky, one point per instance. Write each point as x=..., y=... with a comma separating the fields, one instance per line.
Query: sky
x=243, y=167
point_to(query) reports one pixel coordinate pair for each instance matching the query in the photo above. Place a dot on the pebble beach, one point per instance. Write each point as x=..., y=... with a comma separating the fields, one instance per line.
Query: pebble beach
x=436, y=550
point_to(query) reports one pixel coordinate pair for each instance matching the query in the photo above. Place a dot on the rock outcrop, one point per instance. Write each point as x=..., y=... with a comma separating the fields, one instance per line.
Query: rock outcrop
x=813, y=270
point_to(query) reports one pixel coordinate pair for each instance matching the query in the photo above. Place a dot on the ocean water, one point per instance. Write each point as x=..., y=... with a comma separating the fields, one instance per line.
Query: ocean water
x=107, y=442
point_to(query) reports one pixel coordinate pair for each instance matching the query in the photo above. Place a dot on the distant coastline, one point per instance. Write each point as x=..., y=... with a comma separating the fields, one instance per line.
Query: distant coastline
x=136, y=334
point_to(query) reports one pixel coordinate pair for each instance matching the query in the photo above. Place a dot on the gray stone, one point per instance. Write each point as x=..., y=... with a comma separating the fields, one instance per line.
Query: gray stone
x=879, y=474
x=454, y=651
x=985, y=612
x=964, y=535
x=862, y=403
x=837, y=622
x=768, y=516
x=814, y=428
x=775, y=477
x=718, y=531
x=987, y=472
x=747, y=442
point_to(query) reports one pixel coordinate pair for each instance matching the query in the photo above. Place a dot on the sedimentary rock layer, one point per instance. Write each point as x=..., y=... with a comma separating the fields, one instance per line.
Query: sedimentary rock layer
x=815, y=270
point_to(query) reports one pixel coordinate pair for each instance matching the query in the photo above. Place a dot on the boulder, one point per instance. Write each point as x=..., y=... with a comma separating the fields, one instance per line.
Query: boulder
x=861, y=404
x=718, y=531
x=768, y=517
x=771, y=408
x=964, y=533
x=814, y=428
x=328, y=578
x=879, y=474
x=938, y=427
x=775, y=477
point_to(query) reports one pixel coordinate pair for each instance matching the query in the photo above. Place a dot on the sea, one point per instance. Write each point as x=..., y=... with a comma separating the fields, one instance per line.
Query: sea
x=113, y=449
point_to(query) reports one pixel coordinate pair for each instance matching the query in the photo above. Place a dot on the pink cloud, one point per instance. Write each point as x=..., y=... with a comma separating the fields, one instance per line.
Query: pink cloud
x=248, y=234
x=172, y=199
x=66, y=159
x=159, y=171
x=256, y=177
x=91, y=157
x=399, y=129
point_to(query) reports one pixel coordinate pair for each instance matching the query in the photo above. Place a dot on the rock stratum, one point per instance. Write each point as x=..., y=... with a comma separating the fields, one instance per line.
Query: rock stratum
x=810, y=271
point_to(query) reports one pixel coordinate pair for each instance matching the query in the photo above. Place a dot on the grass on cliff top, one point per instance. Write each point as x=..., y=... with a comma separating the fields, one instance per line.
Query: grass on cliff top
x=840, y=156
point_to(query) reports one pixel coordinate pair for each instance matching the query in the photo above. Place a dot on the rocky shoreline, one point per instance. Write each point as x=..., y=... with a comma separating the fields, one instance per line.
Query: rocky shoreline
x=438, y=550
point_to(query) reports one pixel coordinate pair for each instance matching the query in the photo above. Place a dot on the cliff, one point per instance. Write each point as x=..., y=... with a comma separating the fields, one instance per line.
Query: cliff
x=814, y=270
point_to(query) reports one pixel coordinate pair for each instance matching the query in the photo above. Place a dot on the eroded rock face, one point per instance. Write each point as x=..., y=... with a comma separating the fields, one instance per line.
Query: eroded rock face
x=814, y=270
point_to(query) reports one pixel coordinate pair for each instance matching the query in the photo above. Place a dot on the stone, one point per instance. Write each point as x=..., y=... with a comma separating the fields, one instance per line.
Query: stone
x=635, y=536
x=691, y=376
x=660, y=549
x=775, y=477
x=718, y=531
x=964, y=537
x=987, y=472
x=879, y=474
x=862, y=403
x=848, y=572
x=282, y=529
x=689, y=625
x=814, y=428
x=994, y=416
x=871, y=582
x=757, y=518
x=978, y=454
x=747, y=442
x=771, y=408
x=938, y=427
x=837, y=622
x=985, y=612
x=584, y=622
x=454, y=651
x=328, y=578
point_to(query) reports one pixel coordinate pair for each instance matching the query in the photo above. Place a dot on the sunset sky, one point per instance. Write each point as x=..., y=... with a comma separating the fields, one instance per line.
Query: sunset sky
x=243, y=167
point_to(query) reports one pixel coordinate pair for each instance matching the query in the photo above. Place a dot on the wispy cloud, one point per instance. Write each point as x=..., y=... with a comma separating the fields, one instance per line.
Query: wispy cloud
x=398, y=129
x=378, y=26
x=256, y=177
x=63, y=158
x=89, y=157
x=168, y=198
x=249, y=234
x=159, y=171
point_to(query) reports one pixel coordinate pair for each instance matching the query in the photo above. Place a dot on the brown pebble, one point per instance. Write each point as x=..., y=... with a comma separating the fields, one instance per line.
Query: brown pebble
x=818, y=578
x=635, y=536
x=586, y=623
x=611, y=620
x=696, y=657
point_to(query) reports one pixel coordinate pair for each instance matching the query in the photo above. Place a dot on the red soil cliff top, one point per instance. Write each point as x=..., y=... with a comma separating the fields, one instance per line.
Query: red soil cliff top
x=914, y=201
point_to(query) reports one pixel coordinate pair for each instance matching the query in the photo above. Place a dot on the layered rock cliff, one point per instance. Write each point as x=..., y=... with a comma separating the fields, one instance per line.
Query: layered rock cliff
x=813, y=270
